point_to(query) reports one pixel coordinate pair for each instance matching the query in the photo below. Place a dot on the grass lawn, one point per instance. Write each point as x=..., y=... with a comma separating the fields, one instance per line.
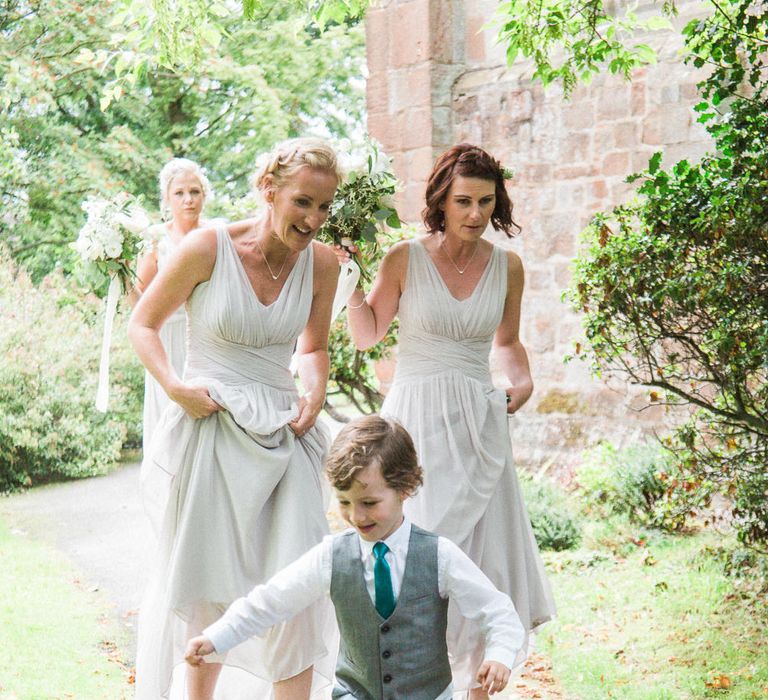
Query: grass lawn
x=655, y=619
x=57, y=639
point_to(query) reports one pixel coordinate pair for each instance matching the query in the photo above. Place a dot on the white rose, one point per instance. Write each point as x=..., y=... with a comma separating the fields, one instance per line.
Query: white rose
x=111, y=239
x=135, y=220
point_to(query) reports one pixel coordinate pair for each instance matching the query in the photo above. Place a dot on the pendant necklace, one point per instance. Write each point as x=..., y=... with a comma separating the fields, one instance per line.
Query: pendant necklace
x=266, y=262
x=469, y=262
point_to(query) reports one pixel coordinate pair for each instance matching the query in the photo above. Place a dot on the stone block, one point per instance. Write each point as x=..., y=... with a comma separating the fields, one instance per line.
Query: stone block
x=516, y=104
x=474, y=45
x=565, y=242
x=409, y=34
x=626, y=134
x=468, y=131
x=416, y=128
x=669, y=94
x=579, y=114
x=598, y=188
x=614, y=103
x=622, y=192
x=575, y=148
x=573, y=172
x=377, y=94
x=543, y=336
x=690, y=151
x=446, y=36
x=640, y=159
x=400, y=166
x=667, y=125
x=412, y=201
x=604, y=139
x=538, y=278
x=689, y=92
x=570, y=195
x=442, y=128
x=538, y=173
x=376, y=40
x=616, y=163
x=466, y=107
x=443, y=76
x=418, y=79
x=563, y=274
x=383, y=128
x=420, y=162
x=638, y=99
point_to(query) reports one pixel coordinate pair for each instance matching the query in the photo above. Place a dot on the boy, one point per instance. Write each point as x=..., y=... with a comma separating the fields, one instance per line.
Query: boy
x=389, y=581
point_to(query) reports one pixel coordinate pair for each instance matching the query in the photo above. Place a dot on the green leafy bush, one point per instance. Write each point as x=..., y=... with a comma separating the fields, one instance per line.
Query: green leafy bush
x=49, y=340
x=625, y=482
x=553, y=524
x=674, y=285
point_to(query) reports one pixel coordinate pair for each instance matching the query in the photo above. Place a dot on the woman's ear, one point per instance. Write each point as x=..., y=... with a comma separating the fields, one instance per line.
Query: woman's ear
x=268, y=188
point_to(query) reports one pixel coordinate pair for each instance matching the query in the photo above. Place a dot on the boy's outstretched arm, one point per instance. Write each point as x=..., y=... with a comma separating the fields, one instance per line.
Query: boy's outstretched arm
x=493, y=676
x=197, y=648
x=287, y=593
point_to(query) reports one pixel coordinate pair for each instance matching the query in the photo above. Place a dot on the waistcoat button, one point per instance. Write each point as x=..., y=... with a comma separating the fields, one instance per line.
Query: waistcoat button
x=387, y=678
x=385, y=628
x=386, y=653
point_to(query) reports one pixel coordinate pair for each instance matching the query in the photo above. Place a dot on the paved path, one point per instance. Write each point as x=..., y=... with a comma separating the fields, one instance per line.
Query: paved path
x=99, y=524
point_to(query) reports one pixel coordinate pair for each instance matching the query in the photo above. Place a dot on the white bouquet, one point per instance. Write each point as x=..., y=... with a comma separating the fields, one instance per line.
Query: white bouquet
x=113, y=237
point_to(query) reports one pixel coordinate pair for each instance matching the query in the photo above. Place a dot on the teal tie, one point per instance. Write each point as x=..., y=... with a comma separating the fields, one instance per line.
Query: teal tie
x=382, y=579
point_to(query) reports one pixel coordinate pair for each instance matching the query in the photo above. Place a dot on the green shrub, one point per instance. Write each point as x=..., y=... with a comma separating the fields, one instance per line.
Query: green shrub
x=624, y=482
x=50, y=339
x=553, y=524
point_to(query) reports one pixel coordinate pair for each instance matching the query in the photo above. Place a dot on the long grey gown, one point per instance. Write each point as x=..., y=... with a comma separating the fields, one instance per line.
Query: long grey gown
x=443, y=395
x=239, y=496
x=173, y=335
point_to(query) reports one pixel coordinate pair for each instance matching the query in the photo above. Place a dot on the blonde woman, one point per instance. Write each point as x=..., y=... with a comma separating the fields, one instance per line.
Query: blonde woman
x=183, y=191
x=239, y=454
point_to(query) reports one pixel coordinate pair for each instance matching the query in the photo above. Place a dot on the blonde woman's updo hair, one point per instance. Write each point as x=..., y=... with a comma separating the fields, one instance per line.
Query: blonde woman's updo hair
x=177, y=166
x=287, y=157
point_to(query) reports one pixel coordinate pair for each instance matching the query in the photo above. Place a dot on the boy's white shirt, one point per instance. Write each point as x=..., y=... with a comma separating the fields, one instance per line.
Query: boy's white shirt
x=308, y=579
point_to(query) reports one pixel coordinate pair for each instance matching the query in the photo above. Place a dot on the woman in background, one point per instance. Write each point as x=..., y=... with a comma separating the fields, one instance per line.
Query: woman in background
x=183, y=191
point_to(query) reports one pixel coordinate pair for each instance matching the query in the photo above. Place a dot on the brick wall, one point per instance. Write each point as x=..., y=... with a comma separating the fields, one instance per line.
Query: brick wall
x=436, y=77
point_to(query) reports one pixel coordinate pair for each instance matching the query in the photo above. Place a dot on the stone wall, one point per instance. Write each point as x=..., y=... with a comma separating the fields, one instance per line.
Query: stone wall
x=436, y=77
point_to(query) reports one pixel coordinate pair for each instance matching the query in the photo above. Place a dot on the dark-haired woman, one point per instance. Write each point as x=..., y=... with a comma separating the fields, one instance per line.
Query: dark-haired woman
x=456, y=295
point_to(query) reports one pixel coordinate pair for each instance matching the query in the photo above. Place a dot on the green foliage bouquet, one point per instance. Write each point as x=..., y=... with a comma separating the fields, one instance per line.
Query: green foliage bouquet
x=364, y=203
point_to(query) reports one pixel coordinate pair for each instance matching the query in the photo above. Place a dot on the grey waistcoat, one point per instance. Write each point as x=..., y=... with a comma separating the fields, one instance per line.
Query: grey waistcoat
x=403, y=657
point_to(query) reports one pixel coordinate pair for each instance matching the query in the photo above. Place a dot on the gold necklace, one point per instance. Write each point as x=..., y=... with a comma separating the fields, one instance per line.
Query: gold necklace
x=266, y=262
x=469, y=262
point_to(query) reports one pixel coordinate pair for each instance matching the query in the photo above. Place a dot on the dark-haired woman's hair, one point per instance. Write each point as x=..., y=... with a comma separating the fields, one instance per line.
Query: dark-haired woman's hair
x=468, y=161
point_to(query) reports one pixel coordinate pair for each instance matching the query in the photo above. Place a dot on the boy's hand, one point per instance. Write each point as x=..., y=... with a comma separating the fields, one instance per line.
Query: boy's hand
x=493, y=676
x=197, y=648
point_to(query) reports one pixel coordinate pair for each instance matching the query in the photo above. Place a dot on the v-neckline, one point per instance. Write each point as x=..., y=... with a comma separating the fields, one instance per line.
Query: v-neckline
x=479, y=282
x=247, y=281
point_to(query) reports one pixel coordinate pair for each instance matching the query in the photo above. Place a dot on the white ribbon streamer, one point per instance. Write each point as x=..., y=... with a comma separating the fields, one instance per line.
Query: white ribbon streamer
x=348, y=279
x=102, y=392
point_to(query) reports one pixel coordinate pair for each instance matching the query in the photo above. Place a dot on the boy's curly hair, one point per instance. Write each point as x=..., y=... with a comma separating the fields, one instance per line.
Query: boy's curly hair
x=374, y=440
